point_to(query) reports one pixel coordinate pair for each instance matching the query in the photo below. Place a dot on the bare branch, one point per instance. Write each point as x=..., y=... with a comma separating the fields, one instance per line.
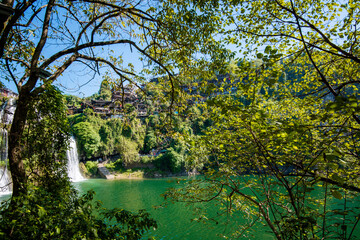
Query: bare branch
x=312, y=26
x=11, y=74
x=18, y=60
x=55, y=75
x=19, y=11
x=122, y=73
x=44, y=35
x=32, y=17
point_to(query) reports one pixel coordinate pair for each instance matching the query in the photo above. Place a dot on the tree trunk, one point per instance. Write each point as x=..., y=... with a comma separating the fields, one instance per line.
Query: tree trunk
x=4, y=17
x=16, y=163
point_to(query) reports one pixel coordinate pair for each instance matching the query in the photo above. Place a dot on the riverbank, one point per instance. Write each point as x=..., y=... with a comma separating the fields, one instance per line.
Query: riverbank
x=131, y=173
x=141, y=174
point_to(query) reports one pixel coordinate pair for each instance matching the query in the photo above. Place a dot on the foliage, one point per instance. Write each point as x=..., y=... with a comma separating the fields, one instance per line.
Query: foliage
x=170, y=161
x=51, y=208
x=72, y=100
x=164, y=40
x=105, y=92
x=86, y=32
x=115, y=166
x=46, y=126
x=149, y=141
x=270, y=159
x=106, y=141
x=128, y=150
x=92, y=168
x=87, y=138
x=103, y=137
x=146, y=159
x=129, y=109
x=288, y=119
x=64, y=215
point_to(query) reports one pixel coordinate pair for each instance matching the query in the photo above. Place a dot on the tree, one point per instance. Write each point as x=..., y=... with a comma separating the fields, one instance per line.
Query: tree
x=128, y=151
x=51, y=202
x=149, y=141
x=287, y=126
x=271, y=162
x=325, y=44
x=105, y=90
x=170, y=161
x=87, y=137
x=87, y=32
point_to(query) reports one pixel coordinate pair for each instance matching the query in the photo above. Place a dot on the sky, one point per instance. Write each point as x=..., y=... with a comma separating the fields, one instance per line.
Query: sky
x=78, y=79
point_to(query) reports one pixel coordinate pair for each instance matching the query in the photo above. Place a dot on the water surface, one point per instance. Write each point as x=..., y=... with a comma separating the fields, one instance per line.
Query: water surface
x=174, y=221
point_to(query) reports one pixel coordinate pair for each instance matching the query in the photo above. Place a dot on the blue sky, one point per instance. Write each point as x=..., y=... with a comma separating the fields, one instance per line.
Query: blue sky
x=80, y=81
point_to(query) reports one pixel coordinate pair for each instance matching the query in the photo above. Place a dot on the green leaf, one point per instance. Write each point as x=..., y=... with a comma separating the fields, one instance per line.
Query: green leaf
x=336, y=194
x=336, y=178
x=259, y=55
x=267, y=49
x=331, y=156
x=41, y=211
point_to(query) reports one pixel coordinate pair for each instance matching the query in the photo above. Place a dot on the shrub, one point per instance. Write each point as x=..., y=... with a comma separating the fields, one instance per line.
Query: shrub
x=92, y=167
x=170, y=161
x=146, y=159
x=63, y=215
x=149, y=141
x=115, y=166
x=127, y=150
x=87, y=138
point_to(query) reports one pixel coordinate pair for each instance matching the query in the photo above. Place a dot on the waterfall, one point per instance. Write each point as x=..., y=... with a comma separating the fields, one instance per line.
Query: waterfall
x=73, y=168
x=7, y=111
x=2, y=111
x=10, y=110
x=4, y=145
x=5, y=179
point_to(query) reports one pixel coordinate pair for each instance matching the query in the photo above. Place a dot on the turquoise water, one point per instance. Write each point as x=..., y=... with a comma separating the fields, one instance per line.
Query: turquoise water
x=174, y=221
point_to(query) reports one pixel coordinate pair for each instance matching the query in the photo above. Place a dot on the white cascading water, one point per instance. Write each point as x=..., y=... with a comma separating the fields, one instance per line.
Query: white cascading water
x=6, y=115
x=73, y=162
x=9, y=111
x=4, y=145
x=5, y=179
x=2, y=111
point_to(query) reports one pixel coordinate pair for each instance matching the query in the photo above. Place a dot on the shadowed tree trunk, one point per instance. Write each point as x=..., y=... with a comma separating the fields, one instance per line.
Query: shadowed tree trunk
x=15, y=145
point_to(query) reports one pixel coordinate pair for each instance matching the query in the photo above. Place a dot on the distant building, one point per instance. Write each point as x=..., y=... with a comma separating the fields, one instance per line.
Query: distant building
x=114, y=107
x=8, y=93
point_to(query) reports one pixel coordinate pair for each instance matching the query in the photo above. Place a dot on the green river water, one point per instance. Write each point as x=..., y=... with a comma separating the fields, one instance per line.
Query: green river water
x=174, y=221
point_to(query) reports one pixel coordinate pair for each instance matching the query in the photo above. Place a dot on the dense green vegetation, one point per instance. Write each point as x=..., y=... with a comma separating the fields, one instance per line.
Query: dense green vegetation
x=52, y=209
x=93, y=35
x=289, y=119
x=128, y=140
x=287, y=113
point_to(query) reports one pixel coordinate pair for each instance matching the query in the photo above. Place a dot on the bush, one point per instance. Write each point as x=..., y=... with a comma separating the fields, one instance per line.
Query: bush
x=92, y=168
x=146, y=159
x=115, y=166
x=170, y=161
x=40, y=214
x=149, y=142
x=127, y=150
x=87, y=138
